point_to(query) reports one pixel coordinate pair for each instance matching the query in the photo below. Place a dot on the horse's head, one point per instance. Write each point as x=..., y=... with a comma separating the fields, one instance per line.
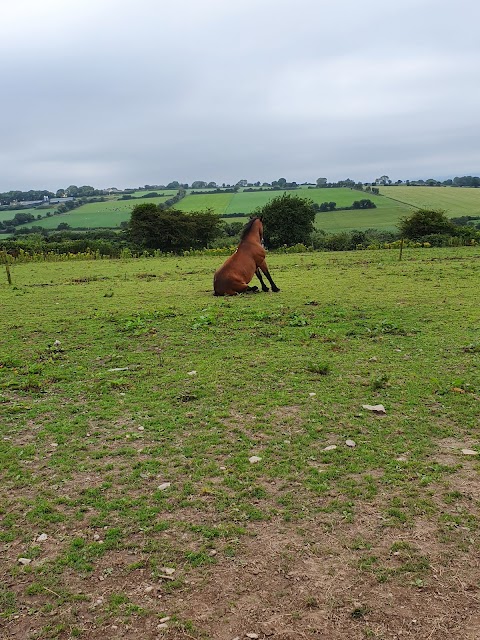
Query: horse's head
x=253, y=229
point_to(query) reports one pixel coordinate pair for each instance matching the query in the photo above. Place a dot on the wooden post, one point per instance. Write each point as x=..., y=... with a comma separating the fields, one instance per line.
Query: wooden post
x=401, y=249
x=7, y=266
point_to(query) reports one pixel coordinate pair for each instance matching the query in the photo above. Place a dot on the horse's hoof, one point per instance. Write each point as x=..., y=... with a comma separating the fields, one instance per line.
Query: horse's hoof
x=275, y=290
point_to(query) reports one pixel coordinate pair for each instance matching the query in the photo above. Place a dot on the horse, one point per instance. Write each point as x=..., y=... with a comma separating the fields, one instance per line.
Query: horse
x=248, y=260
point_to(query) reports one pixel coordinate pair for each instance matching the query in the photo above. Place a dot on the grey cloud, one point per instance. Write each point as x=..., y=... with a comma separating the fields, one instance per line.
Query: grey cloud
x=126, y=93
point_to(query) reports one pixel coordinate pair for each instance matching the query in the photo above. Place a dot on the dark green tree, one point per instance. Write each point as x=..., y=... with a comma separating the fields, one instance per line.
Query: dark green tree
x=425, y=222
x=287, y=219
x=169, y=230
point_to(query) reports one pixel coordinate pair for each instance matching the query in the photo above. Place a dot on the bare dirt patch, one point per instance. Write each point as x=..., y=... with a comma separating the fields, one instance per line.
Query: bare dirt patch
x=314, y=579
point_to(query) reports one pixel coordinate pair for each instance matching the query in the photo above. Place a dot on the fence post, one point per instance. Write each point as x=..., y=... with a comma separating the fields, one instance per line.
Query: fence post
x=7, y=266
x=401, y=249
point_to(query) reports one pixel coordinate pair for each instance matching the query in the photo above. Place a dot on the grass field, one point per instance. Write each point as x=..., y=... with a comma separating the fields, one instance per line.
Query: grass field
x=394, y=204
x=112, y=213
x=455, y=201
x=384, y=217
x=108, y=214
x=133, y=403
x=9, y=215
x=218, y=202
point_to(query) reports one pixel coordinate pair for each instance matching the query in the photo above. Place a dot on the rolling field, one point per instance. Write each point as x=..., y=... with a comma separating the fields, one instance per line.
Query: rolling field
x=394, y=204
x=166, y=192
x=384, y=217
x=455, y=201
x=108, y=214
x=178, y=466
x=218, y=202
x=8, y=215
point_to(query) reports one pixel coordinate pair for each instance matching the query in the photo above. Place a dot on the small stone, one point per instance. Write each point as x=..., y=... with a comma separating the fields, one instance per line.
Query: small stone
x=213, y=552
x=252, y=636
x=469, y=452
x=165, y=619
x=254, y=459
x=312, y=395
x=376, y=408
x=149, y=589
x=163, y=625
x=96, y=536
x=141, y=428
x=350, y=443
x=42, y=537
x=191, y=373
x=167, y=571
x=24, y=561
x=57, y=343
x=401, y=459
x=330, y=447
x=223, y=468
x=164, y=485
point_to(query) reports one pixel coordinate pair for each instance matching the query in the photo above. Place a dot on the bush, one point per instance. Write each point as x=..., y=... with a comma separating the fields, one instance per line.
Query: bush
x=287, y=220
x=425, y=222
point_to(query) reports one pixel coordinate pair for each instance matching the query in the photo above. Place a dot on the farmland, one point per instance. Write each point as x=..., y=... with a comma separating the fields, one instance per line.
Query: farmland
x=395, y=203
x=181, y=466
x=111, y=213
x=455, y=201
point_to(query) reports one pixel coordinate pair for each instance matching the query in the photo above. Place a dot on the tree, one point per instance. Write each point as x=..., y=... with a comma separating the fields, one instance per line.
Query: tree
x=287, y=219
x=169, y=230
x=385, y=180
x=425, y=222
x=321, y=182
x=363, y=204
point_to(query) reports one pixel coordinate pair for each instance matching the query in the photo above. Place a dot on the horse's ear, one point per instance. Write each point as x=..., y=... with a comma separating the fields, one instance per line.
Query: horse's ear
x=260, y=218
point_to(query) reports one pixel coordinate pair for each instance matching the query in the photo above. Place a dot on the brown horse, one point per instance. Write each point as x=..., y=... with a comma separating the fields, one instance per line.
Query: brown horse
x=248, y=260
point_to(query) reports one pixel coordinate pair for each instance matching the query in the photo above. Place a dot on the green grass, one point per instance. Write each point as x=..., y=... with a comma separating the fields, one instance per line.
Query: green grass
x=455, y=201
x=100, y=406
x=384, y=217
x=108, y=214
x=218, y=202
x=9, y=215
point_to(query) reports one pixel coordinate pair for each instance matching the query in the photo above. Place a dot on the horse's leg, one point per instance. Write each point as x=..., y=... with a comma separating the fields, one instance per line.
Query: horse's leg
x=264, y=268
x=259, y=276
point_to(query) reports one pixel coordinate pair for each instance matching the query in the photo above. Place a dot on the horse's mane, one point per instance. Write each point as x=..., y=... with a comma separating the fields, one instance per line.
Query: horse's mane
x=247, y=228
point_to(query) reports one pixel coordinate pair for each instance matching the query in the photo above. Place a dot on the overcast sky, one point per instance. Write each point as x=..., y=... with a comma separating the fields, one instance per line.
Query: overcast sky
x=122, y=93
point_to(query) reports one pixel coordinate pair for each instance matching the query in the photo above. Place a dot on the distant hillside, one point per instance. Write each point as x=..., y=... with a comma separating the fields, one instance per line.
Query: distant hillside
x=456, y=201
